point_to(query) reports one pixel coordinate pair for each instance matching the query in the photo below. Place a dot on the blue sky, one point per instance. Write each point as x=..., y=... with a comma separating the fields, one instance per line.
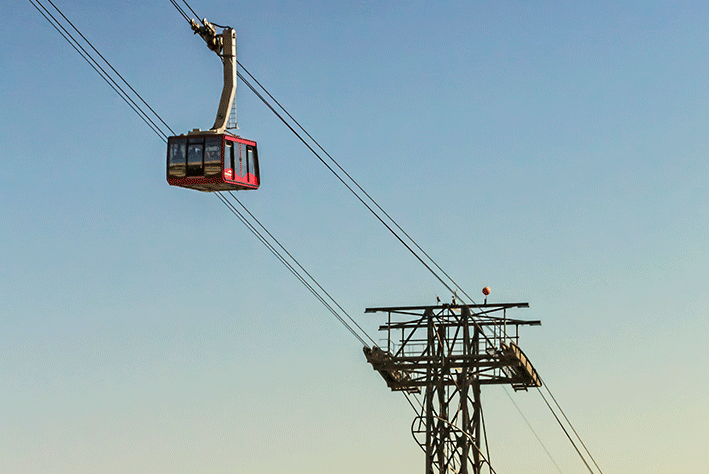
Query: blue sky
x=556, y=152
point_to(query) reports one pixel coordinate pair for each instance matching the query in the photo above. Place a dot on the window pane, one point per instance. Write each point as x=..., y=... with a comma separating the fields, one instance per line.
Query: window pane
x=228, y=160
x=176, y=159
x=240, y=164
x=195, y=149
x=251, y=167
x=213, y=156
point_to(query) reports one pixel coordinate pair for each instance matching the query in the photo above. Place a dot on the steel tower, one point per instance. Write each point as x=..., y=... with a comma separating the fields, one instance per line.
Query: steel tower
x=448, y=352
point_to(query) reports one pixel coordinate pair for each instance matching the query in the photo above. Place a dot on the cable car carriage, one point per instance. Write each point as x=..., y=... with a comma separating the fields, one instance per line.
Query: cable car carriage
x=215, y=160
x=212, y=162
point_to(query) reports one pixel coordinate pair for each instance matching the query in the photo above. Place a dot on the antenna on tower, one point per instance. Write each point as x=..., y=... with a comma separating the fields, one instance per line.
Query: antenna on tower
x=486, y=291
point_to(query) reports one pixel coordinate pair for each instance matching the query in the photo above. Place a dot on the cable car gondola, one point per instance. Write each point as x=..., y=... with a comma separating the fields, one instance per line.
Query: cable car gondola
x=212, y=162
x=215, y=160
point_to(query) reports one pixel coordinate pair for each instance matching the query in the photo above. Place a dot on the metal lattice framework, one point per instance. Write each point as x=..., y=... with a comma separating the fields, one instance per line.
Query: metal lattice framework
x=448, y=352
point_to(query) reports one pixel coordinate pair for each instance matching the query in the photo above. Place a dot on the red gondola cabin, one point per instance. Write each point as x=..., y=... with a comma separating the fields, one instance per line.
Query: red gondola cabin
x=212, y=162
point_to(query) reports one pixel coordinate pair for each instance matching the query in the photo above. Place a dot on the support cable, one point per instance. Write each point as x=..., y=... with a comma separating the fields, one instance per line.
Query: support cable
x=572, y=426
x=565, y=431
x=248, y=84
x=96, y=67
x=303, y=269
x=193, y=12
x=260, y=96
x=376, y=204
x=532, y=430
x=290, y=267
x=112, y=68
x=179, y=9
x=357, y=185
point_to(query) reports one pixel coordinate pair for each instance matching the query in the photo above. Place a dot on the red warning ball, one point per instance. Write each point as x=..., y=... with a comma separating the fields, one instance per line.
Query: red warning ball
x=486, y=290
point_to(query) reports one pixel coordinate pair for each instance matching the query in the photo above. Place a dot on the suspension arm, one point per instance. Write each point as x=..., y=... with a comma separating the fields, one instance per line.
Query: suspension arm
x=225, y=47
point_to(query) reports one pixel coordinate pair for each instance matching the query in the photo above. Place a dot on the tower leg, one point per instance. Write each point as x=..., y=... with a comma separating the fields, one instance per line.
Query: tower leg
x=477, y=465
x=430, y=388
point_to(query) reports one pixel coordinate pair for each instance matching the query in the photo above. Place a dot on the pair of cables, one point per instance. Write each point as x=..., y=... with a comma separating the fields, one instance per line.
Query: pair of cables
x=572, y=439
x=135, y=101
x=584, y=454
x=292, y=264
x=352, y=185
x=102, y=67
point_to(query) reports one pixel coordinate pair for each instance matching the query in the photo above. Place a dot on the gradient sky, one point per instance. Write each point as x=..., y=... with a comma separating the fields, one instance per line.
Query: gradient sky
x=554, y=151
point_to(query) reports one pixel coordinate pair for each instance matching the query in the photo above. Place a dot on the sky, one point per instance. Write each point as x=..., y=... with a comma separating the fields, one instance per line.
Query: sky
x=553, y=151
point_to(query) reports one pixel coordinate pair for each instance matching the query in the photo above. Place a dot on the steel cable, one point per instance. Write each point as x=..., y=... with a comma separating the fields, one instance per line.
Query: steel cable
x=565, y=431
x=357, y=185
x=260, y=96
x=112, y=68
x=571, y=426
x=96, y=67
x=532, y=430
x=193, y=12
x=288, y=265
x=303, y=269
x=179, y=9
